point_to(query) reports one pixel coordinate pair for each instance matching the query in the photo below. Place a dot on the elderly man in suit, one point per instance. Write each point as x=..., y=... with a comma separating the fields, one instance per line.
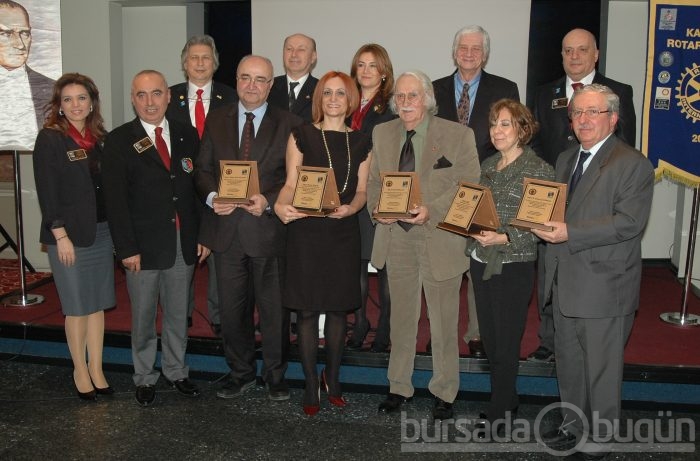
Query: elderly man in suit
x=466, y=96
x=579, y=56
x=153, y=213
x=248, y=240
x=24, y=90
x=418, y=255
x=293, y=90
x=190, y=102
x=593, y=270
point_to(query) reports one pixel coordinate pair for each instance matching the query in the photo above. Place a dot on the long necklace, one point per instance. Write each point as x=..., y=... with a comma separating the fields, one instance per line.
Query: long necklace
x=328, y=153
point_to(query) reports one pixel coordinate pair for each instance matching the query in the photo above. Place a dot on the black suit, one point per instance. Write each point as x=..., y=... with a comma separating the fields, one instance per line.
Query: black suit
x=41, y=87
x=491, y=89
x=179, y=109
x=555, y=134
x=279, y=96
x=247, y=247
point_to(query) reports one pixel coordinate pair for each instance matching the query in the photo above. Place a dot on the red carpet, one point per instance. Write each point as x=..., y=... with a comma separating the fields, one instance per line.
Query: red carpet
x=10, y=283
x=652, y=342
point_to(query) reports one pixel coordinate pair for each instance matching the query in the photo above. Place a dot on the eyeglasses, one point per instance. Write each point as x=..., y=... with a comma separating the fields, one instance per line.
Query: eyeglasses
x=247, y=79
x=327, y=93
x=590, y=113
x=409, y=97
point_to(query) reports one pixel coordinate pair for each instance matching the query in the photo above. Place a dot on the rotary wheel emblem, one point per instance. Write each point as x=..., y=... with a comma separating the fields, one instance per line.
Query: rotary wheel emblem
x=688, y=93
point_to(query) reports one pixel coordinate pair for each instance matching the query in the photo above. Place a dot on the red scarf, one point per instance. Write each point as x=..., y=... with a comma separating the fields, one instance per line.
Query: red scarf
x=86, y=142
x=359, y=115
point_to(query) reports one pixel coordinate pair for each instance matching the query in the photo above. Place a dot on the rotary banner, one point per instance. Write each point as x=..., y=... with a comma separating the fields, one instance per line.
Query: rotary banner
x=671, y=126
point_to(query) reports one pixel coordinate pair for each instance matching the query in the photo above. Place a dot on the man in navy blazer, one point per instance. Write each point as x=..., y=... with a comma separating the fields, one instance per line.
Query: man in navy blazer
x=299, y=57
x=593, y=270
x=153, y=213
x=470, y=52
x=248, y=240
x=579, y=56
x=200, y=60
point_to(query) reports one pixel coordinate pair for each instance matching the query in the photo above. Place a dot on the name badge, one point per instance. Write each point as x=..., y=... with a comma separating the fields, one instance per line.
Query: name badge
x=143, y=144
x=560, y=103
x=78, y=154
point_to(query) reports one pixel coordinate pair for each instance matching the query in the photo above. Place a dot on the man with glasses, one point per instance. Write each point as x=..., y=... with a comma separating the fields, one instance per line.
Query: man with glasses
x=579, y=54
x=24, y=90
x=593, y=269
x=420, y=256
x=248, y=240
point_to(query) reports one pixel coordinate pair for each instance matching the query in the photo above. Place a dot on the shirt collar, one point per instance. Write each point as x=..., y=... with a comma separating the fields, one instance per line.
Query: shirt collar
x=151, y=129
x=192, y=90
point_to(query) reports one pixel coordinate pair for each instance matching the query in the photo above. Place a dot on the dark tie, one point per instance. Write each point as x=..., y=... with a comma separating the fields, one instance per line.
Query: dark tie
x=292, y=96
x=248, y=135
x=463, y=106
x=578, y=172
x=407, y=162
x=199, y=113
x=162, y=148
x=576, y=85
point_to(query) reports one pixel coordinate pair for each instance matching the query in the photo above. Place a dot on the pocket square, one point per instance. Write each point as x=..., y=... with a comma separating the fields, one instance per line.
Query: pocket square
x=442, y=163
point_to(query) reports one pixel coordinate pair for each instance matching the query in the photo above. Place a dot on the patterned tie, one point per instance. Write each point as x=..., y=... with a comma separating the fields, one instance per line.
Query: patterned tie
x=463, y=106
x=578, y=172
x=162, y=148
x=292, y=96
x=248, y=135
x=199, y=113
x=407, y=162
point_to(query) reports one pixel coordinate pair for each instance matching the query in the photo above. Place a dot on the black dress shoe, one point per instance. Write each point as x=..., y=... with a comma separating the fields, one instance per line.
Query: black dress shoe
x=559, y=439
x=542, y=354
x=278, y=392
x=145, y=395
x=234, y=388
x=354, y=344
x=442, y=410
x=476, y=348
x=393, y=402
x=185, y=387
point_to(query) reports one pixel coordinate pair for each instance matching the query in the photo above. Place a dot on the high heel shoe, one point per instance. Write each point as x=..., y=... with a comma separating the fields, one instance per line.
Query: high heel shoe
x=338, y=401
x=102, y=390
x=90, y=396
x=313, y=409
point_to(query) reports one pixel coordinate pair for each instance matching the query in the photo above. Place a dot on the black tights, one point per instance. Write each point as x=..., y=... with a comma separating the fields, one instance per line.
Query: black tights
x=307, y=340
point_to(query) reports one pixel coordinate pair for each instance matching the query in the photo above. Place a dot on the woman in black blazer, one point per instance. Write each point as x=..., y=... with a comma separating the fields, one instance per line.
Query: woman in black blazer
x=74, y=229
x=374, y=74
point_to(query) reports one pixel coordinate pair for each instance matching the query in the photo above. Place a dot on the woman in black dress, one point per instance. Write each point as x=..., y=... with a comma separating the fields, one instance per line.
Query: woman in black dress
x=74, y=229
x=323, y=254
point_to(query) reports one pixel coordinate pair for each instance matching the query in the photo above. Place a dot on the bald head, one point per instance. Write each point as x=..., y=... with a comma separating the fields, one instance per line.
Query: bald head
x=579, y=53
x=299, y=55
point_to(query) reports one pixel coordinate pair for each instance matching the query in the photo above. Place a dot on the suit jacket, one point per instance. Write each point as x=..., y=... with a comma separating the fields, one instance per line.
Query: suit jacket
x=262, y=236
x=142, y=197
x=598, y=270
x=491, y=89
x=279, y=96
x=555, y=134
x=451, y=143
x=179, y=108
x=65, y=188
x=41, y=87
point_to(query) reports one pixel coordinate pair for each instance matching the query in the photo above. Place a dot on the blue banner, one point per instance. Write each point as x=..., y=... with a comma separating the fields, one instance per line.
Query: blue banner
x=671, y=123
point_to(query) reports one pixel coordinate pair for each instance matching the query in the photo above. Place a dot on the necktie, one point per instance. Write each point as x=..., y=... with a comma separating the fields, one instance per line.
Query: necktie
x=463, y=106
x=292, y=96
x=199, y=113
x=407, y=162
x=576, y=85
x=578, y=172
x=162, y=148
x=248, y=135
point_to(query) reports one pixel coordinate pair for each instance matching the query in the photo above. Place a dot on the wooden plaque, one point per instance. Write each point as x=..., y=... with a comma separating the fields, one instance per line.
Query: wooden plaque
x=399, y=193
x=238, y=181
x=472, y=210
x=542, y=201
x=316, y=192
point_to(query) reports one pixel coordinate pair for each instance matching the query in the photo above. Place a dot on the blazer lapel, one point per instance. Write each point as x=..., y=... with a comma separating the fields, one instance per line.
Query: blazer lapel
x=592, y=173
x=431, y=146
x=151, y=153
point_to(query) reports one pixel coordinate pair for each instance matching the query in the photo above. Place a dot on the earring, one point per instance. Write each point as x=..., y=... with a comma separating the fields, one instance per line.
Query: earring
x=60, y=112
x=383, y=78
x=90, y=107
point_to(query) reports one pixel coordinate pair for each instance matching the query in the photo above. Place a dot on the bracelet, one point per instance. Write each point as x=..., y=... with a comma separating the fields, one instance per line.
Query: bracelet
x=62, y=237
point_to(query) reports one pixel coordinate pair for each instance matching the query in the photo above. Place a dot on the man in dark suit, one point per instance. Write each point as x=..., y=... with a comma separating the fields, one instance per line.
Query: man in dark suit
x=25, y=90
x=190, y=102
x=248, y=240
x=153, y=213
x=579, y=56
x=470, y=52
x=294, y=90
x=593, y=270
